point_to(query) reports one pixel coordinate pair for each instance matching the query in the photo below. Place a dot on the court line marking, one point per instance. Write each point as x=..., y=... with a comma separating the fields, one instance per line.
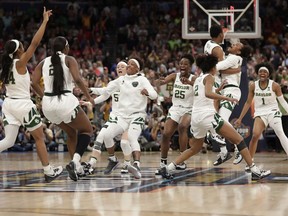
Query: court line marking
x=167, y=180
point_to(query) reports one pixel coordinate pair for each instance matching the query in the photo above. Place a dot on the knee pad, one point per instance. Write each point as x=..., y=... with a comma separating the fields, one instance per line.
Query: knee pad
x=242, y=145
x=100, y=136
x=126, y=148
x=97, y=146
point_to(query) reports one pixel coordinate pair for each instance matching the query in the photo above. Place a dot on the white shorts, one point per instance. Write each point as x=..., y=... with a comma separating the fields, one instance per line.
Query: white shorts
x=60, y=110
x=176, y=113
x=231, y=92
x=273, y=119
x=21, y=112
x=128, y=122
x=202, y=122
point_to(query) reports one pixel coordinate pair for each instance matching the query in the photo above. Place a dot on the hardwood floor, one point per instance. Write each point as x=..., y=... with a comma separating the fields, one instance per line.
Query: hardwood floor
x=200, y=190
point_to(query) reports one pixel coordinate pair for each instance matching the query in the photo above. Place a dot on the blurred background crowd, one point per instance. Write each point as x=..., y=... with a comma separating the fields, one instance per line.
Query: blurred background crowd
x=101, y=33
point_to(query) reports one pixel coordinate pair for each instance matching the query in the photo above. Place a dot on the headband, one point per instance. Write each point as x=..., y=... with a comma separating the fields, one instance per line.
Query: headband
x=264, y=68
x=136, y=62
x=16, y=48
x=122, y=62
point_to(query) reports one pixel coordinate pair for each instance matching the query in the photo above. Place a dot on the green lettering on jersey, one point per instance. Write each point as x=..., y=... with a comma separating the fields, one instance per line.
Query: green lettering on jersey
x=51, y=70
x=179, y=94
x=196, y=93
x=11, y=79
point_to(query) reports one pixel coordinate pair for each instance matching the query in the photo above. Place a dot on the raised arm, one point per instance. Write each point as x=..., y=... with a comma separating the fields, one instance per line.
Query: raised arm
x=26, y=56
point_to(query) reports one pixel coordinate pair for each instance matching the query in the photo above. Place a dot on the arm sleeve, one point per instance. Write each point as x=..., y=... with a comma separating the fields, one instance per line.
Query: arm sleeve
x=112, y=86
x=101, y=98
x=97, y=91
x=229, y=62
x=283, y=103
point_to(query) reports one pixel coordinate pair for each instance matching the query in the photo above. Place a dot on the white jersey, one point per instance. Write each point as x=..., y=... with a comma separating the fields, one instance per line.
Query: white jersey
x=131, y=101
x=208, y=48
x=115, y=102
x=264, y=99
x=201, y=102
x=48, y=77
x=232, y=61
x=18, y=85
x=182, y=94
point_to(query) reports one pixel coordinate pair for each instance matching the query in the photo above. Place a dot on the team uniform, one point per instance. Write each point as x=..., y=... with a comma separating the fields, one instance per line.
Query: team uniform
x=182, y=99
x=18, y=108
x=113, y=113
x=131, y=112
x=209, y=46
x=266, y=108
x=232, y=88
x=204, y=117
x=65, y=108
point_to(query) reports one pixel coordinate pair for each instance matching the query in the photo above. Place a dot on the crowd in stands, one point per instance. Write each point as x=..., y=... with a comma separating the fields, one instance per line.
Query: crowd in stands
x=101, y=33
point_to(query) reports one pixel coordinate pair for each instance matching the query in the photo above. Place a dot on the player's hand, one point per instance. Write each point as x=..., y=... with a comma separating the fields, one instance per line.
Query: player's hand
x=237, y=123
x=46, y=14
x=84, y=103
x=233, y=100
x=185, y=80
x=145, y=92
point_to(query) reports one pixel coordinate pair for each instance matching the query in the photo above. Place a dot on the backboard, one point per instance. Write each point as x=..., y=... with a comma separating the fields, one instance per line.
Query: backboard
x=240, y=17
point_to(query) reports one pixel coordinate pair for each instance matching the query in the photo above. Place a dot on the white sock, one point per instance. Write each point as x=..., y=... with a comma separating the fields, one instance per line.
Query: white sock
x=92, y=161
x=76, y=160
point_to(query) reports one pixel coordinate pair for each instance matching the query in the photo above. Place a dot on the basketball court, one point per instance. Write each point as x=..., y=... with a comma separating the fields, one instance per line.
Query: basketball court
x=202, y=189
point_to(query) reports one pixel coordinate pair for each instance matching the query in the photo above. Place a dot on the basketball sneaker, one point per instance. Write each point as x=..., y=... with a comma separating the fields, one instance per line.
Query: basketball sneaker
x=157, y=172
x=53, y=173
x=181, y=166
x=124, y=170
x=238, y=157
x=71, y=169
x=88, y=169
x=164, y=172
x=217, y=138
x=111, y=166
x=247, y=169
x=221, y=158
x=134, y=170
x=258, y=174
